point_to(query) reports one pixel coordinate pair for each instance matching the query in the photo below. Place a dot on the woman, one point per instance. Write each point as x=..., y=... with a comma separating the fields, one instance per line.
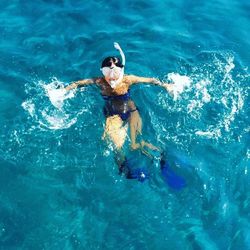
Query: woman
x=121, y=112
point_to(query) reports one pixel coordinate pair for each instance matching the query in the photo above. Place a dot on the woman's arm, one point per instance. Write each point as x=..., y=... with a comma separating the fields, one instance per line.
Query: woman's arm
x=83, y=82
x=137, y=79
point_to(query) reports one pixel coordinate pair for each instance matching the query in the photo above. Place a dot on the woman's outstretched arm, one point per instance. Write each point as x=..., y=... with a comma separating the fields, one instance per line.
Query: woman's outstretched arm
x=83, y=82
x=138, y=79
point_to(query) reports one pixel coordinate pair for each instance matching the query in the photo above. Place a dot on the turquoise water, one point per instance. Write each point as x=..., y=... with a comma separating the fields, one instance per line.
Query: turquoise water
x=60, y=187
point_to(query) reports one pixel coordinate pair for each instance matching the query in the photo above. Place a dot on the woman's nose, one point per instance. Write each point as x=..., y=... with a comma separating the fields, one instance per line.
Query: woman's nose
x=112, y=65
x=111, y=73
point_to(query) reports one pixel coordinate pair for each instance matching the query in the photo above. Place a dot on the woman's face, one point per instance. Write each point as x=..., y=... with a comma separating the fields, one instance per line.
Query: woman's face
x=112, y=73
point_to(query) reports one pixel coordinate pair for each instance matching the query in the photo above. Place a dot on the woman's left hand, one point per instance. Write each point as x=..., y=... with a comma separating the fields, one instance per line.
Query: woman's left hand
x=168, y=87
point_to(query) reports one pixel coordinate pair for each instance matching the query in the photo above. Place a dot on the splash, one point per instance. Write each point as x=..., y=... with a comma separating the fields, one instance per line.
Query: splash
x=210, y=133
x=207, y=100
x=57, y=93
x=179, y=83
x=202, y=95
x=221, y=89
x=47, y=105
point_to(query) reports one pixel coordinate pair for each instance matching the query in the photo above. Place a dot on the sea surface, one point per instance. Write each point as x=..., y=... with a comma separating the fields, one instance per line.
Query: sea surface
x=59, y=182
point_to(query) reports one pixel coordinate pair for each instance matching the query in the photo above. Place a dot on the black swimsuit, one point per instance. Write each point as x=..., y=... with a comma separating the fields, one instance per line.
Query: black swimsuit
x=118, y=105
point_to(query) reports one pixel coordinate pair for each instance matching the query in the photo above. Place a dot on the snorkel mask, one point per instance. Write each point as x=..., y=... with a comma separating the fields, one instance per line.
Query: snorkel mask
x=113, y=71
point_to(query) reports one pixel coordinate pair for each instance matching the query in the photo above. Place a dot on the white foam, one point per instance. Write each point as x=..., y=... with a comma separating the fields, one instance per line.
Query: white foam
x=248, y=154
x=230, y=65
x=57, y=93
x=209, y=134
x=39, y=108
x=201, y=97
x=58, y=121
x=206, y=96
x=29, y=107
x=179, y=83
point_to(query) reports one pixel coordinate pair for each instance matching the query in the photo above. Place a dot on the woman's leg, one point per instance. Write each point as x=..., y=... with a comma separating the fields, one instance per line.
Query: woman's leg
x=135, y=123
x=115, y=131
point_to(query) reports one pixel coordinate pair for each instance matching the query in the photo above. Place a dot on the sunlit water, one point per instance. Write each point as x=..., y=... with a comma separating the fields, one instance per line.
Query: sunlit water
x=60, y=187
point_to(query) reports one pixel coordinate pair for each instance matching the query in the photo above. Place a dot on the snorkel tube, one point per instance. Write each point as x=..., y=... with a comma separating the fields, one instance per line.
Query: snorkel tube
x=117, y=46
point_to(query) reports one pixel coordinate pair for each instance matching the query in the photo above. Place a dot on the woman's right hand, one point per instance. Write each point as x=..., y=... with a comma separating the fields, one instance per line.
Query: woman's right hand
x=71, y=86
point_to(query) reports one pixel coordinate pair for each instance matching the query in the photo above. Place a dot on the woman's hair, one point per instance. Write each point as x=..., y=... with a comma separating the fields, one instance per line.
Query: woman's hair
x=107, y=62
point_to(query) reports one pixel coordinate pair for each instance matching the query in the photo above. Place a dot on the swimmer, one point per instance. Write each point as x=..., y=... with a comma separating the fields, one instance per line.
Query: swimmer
x=120, y=110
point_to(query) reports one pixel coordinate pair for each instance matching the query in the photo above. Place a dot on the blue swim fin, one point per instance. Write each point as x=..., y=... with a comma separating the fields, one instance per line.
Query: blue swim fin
x=170, y=177
x=141, y=174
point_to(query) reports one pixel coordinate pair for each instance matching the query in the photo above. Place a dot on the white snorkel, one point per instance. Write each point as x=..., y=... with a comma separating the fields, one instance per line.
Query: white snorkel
x=111, y=72
x=117, y=46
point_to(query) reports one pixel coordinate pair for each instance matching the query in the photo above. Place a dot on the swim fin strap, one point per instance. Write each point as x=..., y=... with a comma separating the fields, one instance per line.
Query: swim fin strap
x=141, y=174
